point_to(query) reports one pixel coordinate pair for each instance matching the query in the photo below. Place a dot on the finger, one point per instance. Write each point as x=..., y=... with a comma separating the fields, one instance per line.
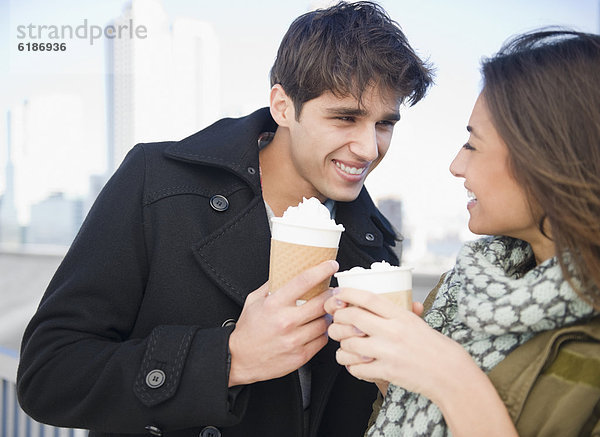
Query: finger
x=364, y=321
x=345, y=358
x=312, y=347
x=299, y=285
x=364, y=347
x=333, y=303
x=368, y=371
x=338, y=331
x=308, y=332
x=314, y=307
x=417, y=308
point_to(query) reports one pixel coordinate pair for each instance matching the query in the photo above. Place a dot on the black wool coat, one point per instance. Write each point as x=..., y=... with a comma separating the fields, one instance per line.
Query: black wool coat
x=131, y=336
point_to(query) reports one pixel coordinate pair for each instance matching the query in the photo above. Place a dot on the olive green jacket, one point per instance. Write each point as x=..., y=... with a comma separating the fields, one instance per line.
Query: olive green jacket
x=551, y=384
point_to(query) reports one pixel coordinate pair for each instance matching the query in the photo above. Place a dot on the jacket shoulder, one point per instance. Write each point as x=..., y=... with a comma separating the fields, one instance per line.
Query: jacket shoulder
x=551, y=384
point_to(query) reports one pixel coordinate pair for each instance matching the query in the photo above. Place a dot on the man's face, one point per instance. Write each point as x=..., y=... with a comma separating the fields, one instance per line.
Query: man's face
x=336, y=142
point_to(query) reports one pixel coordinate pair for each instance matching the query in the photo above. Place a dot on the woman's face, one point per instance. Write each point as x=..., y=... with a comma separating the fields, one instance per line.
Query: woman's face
x=497, y=205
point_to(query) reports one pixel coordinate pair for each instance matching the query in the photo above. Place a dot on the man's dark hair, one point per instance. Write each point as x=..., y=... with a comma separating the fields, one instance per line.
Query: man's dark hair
x=345, y=49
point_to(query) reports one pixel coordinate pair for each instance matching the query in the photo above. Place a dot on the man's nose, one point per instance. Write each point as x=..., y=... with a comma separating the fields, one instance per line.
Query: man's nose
x=365, y=144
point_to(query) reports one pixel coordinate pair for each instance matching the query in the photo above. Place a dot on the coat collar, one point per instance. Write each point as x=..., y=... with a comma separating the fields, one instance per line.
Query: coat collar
x=230, y=143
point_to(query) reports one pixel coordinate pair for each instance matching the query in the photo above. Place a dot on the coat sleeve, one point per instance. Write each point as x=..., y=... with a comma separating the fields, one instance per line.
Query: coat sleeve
x=79, y=366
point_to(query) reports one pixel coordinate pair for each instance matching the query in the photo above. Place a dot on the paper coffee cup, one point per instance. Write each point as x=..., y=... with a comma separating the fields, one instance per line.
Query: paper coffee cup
x=394, y=283
x=295, y=248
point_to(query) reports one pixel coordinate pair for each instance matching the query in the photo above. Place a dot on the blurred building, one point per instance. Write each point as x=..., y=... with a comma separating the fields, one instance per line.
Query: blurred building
x=49, y=150
x=391, y=208
x=55, y=220
x=164, y=86
x=10, y=231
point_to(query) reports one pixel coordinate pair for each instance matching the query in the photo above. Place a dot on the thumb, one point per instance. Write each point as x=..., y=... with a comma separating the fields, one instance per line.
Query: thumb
x=417, y=308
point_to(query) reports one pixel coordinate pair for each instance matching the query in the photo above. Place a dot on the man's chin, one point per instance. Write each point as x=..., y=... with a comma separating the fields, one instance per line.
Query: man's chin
x=344, y=196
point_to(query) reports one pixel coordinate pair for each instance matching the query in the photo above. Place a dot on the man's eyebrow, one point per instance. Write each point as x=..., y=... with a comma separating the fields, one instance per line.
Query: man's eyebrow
x=346, y=111
x=358, y=112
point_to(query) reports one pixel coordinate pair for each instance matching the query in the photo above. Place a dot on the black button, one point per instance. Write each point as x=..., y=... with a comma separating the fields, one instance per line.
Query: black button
x=153, y=430
x=219, y=203
x=210, y=431
x=228, y=322
x=155, y=378
x=369, y=236
x=251, y=170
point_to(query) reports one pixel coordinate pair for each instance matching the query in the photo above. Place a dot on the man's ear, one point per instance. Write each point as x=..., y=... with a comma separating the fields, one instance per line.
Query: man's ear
x=282, y=107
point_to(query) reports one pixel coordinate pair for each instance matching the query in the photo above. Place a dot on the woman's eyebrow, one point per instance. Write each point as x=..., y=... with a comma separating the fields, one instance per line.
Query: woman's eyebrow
x=472, y=131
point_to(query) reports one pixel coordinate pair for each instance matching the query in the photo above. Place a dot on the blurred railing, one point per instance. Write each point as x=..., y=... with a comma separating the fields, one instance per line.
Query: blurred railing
x=13, y=421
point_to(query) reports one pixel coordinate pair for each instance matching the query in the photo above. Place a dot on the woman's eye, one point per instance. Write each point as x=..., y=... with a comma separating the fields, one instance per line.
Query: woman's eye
x=467, y=146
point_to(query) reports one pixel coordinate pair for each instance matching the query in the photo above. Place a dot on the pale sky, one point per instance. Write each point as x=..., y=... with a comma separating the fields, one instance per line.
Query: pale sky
x=453, y=35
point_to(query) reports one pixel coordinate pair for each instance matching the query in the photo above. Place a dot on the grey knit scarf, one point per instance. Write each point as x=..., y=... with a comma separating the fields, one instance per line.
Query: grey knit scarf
x=494, y=300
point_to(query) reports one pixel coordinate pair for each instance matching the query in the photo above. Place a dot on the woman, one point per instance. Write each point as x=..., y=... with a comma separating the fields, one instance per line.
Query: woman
x=532, y=173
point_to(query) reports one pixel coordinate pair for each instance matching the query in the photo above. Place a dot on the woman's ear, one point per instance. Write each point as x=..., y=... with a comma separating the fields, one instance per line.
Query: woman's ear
x=282, y=107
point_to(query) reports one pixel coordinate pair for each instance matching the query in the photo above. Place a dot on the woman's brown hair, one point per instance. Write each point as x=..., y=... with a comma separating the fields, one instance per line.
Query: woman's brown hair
x=543, y=92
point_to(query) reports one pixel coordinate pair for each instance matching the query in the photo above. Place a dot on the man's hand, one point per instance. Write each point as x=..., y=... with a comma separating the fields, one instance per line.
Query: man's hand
x=273, y=335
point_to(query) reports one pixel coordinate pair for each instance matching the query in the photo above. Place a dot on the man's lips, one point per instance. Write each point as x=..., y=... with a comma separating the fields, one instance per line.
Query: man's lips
x=350, y=168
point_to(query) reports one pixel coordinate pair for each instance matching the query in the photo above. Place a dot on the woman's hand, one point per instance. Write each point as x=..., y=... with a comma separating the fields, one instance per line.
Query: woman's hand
x=380, y=341
x=342, y=331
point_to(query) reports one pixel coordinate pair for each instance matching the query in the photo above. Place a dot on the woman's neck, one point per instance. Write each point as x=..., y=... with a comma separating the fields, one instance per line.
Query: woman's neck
x=543, y=249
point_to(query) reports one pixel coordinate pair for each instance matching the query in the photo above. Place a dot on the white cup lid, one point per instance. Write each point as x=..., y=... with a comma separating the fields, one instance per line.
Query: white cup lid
x=306, y=235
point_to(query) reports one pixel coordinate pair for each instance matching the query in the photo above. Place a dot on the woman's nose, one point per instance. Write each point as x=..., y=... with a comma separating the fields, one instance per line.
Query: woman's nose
x=457, y=165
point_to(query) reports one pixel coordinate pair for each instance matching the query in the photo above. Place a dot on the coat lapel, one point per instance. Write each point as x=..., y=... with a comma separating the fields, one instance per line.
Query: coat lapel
x=236, y=256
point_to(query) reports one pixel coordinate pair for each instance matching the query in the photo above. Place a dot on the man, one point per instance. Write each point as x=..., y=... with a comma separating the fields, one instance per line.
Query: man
x=151, y=324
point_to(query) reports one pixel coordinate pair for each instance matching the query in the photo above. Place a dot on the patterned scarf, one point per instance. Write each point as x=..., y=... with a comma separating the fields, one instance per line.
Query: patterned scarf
x=494, y=300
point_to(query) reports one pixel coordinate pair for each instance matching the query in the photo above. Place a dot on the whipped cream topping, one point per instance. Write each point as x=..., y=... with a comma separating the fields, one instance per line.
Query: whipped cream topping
x=382, y=266
x=310, y=212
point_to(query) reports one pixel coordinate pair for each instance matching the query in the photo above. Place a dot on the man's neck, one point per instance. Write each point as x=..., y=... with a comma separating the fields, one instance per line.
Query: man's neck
x=281, y=185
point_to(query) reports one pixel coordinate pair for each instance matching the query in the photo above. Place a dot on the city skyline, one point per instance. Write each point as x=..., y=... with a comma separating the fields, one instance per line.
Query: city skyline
x=175, y=65
x=452, y=36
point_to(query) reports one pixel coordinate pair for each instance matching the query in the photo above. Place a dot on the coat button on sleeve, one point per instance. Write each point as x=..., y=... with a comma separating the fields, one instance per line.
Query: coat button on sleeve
x=155, y=378
x=210, y=431
x=153, y=430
